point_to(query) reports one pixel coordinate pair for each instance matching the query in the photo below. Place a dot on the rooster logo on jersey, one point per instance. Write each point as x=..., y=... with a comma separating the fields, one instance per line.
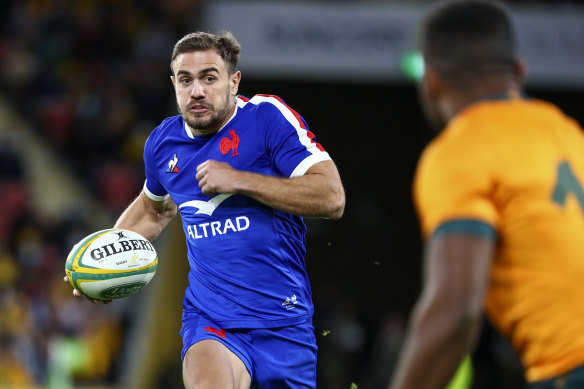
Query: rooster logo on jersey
x=172, y=164
x=227, y=144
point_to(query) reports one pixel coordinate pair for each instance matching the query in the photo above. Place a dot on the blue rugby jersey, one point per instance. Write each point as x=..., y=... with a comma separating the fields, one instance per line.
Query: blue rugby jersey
x=247, y=266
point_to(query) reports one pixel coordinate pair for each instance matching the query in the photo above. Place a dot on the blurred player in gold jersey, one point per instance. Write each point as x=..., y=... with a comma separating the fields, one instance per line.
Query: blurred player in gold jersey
x=499, y=193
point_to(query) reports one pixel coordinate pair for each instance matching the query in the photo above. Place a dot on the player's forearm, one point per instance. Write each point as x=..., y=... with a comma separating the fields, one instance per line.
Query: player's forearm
x=144, y=219
x=436, y=343
x=311, y=195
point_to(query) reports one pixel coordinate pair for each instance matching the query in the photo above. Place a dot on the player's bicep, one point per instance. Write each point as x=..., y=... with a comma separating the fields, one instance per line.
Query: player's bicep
x=329, y=177
x=456, y=269
x=161, y=206
x=146, y=216
x=326, y=184
x=327, y=169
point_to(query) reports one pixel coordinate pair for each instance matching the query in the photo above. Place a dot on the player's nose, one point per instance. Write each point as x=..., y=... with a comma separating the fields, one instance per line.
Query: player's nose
x=197, y=91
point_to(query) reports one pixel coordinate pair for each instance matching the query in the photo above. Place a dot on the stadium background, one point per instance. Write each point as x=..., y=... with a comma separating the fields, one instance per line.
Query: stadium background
x=82, y=83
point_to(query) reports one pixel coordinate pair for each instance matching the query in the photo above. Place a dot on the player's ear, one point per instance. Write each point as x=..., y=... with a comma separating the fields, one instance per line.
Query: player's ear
x=173, y=80
x=434, y=83
x=520, y=70
x=234, y=81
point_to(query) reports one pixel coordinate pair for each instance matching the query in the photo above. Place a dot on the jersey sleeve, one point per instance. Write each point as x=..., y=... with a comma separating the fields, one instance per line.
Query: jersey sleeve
x=454, y=185
x=291, y=145
x=152, y=187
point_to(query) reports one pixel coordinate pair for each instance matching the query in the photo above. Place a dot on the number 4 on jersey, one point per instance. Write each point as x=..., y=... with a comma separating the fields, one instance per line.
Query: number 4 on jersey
x=566, y=184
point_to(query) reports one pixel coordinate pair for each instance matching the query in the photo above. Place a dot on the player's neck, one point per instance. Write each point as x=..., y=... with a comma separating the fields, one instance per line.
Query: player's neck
x=496, y=88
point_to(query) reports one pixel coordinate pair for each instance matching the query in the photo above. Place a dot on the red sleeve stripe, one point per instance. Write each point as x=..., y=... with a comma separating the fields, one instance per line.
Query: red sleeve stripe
x=296, y=115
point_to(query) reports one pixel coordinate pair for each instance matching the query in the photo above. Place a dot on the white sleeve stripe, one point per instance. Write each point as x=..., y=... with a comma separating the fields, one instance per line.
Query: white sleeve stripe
x=241, y=102
x=292, y=119
x=308, y=162
x=152, y=196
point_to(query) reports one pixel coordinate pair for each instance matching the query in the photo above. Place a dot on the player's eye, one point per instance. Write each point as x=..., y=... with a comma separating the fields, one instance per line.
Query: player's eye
x=185, y=80
x=209, y=78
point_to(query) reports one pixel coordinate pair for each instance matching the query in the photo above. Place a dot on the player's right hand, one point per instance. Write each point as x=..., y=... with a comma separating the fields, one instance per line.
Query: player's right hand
x=77, y=293
x=216, y=177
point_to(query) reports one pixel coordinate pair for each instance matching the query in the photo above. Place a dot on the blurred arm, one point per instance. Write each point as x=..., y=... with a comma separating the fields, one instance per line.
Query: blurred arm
x=318, y=193
x=146, y=216
x=446, y=320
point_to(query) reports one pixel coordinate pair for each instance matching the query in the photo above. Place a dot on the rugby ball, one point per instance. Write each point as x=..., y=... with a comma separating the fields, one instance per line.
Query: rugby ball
x=111, y=264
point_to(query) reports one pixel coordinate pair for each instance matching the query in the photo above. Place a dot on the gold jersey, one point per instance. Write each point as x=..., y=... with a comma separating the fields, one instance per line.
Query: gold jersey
x=517, y=167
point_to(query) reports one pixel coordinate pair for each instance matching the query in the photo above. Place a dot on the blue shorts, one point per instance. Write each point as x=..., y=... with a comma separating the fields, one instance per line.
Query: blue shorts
x=275, y=358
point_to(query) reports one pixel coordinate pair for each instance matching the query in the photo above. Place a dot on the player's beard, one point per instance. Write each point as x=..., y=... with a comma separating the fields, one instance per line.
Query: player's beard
x=211, y=123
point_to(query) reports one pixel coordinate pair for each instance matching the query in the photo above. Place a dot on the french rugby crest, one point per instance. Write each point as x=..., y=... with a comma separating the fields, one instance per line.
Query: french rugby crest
x=232, y=144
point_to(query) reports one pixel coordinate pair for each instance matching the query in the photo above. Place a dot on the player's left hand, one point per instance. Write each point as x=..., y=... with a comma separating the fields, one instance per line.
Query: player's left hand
x=216, y=177
x=77, y=293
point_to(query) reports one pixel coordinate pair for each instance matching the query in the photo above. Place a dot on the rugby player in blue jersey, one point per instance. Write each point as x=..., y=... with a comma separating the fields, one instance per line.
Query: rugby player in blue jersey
x=242, y=173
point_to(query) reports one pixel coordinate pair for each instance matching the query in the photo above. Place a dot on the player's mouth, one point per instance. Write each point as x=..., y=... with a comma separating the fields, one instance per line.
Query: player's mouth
x=199, y=109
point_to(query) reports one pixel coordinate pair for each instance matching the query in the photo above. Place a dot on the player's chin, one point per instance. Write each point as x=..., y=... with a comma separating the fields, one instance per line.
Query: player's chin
x=196, y=121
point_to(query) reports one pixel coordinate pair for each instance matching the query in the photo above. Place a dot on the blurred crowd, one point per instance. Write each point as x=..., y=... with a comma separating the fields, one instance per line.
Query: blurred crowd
x=89, y=78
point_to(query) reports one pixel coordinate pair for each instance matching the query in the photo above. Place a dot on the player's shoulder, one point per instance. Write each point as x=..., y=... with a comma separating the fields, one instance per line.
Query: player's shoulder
x=449, y=141
x=265, y=104
x=260, y=100
x=476, y=126
x=464, y=138
x=170, y=127
x=169, y=124
x=504, y=125
x=495, y=117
